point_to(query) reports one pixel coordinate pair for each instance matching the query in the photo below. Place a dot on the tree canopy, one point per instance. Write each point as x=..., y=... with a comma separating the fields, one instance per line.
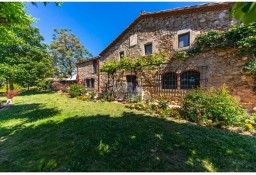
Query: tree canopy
x=66, y=51
x=24, y=58
x=244, y=12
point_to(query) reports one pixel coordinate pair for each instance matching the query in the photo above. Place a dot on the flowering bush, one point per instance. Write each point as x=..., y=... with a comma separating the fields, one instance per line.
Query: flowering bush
x=157, y=107
x=215, y=105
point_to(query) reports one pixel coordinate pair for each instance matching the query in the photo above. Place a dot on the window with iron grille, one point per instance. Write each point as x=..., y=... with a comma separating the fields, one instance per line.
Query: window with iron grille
x=95, y=66
x=169, y=80
x=190, y=80
x=184, y=40
x=92, y=82
x=87, y=82
x=148, y=49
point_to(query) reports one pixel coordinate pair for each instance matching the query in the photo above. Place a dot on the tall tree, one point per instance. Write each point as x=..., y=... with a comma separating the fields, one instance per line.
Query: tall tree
x=25, y=59
x=66, y=50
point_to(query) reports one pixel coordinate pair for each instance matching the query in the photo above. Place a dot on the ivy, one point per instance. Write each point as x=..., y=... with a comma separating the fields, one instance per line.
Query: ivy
x=241, y=37
x=250, y=67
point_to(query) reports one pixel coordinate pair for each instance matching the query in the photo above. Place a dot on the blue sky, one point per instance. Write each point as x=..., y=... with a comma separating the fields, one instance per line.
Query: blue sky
x=96, y=24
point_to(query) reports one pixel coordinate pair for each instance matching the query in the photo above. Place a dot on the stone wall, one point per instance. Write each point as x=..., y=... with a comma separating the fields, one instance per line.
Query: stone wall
x=162, y=32
x=217, y=67
x=85, y=71
x=223, y=66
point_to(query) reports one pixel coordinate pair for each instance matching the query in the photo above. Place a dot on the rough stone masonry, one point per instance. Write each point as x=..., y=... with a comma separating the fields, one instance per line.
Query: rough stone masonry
x=162, y=30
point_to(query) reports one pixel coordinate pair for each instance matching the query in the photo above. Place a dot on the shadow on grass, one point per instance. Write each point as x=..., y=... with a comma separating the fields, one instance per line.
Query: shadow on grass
x=30, y=112
x=132, y=142
x=26, y=93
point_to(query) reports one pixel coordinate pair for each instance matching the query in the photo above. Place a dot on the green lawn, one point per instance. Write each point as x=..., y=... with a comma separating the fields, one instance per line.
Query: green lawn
x=50, y=132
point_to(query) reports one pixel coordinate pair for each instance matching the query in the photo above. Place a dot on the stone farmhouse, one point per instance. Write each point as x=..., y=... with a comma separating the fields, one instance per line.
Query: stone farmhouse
x=169, y=31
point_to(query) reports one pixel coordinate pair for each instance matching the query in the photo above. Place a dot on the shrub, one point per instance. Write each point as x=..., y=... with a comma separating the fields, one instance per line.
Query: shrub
x=163, y=104
x=166, y=112
x=66, y=89
x=134, y=97
x=215, y=105
x=44, y=85
x=251, y=119
x=106, y=96
x=77, y=90
x=34, y=88
x=93, y=94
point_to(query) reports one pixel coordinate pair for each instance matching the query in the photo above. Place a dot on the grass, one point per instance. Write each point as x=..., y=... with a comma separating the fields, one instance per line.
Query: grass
x=50, y=132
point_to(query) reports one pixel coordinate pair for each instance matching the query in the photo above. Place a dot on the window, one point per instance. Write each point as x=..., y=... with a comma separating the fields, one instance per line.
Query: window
x=169, y=81
x=131, y=83
x=184, y=40
x=148, y=49
x=92, y=82
x=95, y=66
x=87, y=82
x=121, y=55
x=190, y=80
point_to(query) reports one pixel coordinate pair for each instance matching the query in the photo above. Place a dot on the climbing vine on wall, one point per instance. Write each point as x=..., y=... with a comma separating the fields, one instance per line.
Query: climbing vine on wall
x=146, y=66
x=136, y=64
x=240, y=37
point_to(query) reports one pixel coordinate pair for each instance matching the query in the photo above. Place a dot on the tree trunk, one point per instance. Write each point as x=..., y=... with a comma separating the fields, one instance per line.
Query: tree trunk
x=7, y=87
x=11, y=84
x=28, y=86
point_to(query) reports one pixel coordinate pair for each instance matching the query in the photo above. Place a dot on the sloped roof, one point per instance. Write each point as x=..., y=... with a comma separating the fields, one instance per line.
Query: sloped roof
x=72, y=78
x=165, y=13
x=88, y=60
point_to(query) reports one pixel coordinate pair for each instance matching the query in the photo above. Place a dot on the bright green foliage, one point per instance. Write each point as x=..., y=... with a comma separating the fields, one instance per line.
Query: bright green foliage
x=43, y=84
x=250, y=67
x=215, y=105
x=245, y=12
x=13, y=13
x=26, y=60
x=66, y=50
x=136, y=64
x=15, y=85
x=77, y=90
x=181, y=55
x=110, y=67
